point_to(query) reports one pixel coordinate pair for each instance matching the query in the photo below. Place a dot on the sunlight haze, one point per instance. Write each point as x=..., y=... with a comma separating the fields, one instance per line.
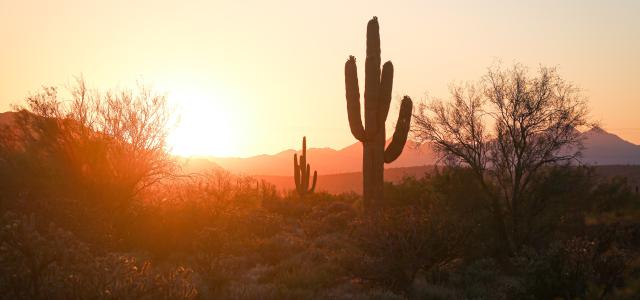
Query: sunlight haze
x=254, y=77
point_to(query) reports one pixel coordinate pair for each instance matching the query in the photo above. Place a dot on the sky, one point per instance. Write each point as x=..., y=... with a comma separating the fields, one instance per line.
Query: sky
x=251, y=77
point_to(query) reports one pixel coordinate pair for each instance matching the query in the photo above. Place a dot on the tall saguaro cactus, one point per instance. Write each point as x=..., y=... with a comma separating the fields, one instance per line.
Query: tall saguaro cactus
x=377, y=99
x=302, y=172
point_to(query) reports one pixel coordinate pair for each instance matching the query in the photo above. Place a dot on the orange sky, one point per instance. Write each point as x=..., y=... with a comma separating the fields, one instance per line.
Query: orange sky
x=254, y=77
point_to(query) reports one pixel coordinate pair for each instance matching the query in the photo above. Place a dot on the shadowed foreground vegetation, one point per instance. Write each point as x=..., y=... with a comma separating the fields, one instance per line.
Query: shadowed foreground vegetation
x=221, y=236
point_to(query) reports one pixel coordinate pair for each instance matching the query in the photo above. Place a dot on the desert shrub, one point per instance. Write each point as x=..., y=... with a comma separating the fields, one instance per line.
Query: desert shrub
x=485, y=279
x=218, y=272
x=410, y=191
x=592, y=266
x=82, y=161
x=454, y=193
x=301, y=276
x=613, y=194
x=394, y=245
x=50, y=263
x=303, y=272
x=173, y=218
x=28, y=255
x=242, y=291
x=555, y=206
x=290, y=206
x=423, y=289
x=328, y=218
x=359, y=293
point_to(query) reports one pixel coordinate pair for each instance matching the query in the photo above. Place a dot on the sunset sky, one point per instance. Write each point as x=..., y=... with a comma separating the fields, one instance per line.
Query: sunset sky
x=254, y=77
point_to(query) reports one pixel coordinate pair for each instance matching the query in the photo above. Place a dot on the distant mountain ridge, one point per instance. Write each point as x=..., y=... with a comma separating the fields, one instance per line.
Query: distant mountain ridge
x=324, y=160
x=604, y=148
x=601, y=148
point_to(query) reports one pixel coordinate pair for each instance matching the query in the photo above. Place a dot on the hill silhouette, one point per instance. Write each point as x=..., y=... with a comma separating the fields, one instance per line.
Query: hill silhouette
x=326, y=160
x=601, y=148
x=604, y=148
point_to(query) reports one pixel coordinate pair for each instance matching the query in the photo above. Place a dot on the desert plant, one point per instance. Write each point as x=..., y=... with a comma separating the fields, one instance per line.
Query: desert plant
x=113, y=142
x=393, y=245
x=535, y=121
x=302, y=172
x=377, y=99
x=88, y=159
x=579, y=268
x=47, y=262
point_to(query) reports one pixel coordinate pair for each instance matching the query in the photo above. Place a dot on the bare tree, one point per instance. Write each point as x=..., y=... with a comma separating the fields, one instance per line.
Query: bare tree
x=112, y=143
x=506, y=128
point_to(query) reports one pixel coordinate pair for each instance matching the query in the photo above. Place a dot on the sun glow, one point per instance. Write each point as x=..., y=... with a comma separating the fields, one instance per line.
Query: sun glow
x=202, y=125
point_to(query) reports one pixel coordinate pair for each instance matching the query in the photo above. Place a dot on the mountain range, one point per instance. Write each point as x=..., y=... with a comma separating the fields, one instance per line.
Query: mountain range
x=601, y=148
x=324, y=160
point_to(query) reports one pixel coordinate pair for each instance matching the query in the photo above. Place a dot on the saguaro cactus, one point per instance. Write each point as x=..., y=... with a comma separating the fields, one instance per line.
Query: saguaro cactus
x=302, y=172
x=377, y=99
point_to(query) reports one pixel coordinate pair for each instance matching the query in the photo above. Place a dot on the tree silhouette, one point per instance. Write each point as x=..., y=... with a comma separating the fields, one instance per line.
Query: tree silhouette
x=110, y=145
x=535, y=121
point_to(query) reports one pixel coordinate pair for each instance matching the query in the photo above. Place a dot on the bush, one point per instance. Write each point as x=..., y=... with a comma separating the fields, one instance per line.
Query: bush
x=50, y=263
x=592, y=266
x=394, y=245
x=328, y=218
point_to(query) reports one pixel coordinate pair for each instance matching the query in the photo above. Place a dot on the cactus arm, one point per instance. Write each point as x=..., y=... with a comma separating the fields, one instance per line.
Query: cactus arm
x=306, y=175
x=304, y=180
x=315, y=179
x=372, y=79
x=402, y=130
x=296, y=171
x=353, y=99
x=386, y=86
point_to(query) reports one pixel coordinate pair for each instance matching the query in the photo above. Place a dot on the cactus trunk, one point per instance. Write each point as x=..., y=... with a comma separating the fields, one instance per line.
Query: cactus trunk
x=373, y=169
x=377, y=99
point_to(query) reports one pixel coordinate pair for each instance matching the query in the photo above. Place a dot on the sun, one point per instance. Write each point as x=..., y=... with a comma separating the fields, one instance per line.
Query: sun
x=202, y=127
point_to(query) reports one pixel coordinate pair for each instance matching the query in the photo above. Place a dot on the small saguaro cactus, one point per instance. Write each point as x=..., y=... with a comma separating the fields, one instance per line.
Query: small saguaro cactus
x=302, y=172
x=377, y=99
